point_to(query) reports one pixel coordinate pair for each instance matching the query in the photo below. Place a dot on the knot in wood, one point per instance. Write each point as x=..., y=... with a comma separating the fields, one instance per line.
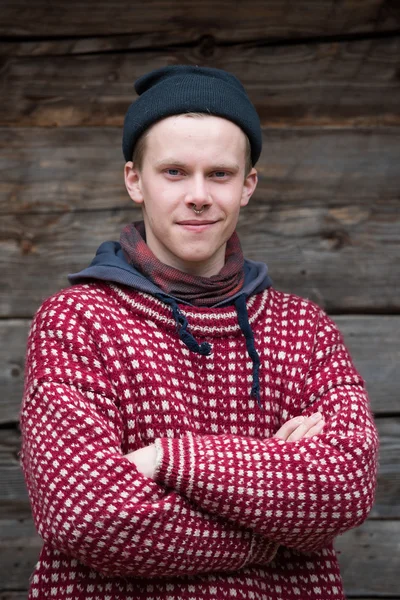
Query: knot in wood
x=207, y=46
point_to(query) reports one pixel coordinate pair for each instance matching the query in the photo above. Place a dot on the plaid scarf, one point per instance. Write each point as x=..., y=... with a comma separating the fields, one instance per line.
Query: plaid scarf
x=199, y=291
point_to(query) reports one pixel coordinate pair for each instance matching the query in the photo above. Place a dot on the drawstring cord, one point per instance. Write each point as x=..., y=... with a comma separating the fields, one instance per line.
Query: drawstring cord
x=205, y=348
x=243, y=319
x=182, y=323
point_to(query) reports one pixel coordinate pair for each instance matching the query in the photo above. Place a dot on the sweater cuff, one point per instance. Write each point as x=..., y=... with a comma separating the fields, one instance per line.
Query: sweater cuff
x=175, y=463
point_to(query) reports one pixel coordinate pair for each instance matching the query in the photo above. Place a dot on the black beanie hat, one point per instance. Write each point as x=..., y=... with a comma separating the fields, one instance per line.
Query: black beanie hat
x=181, y=89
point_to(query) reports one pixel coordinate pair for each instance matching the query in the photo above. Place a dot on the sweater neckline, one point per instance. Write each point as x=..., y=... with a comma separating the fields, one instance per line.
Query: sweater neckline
x=203, y=321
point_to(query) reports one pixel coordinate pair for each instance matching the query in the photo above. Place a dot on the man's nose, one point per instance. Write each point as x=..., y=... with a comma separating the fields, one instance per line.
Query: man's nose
x=198, y=193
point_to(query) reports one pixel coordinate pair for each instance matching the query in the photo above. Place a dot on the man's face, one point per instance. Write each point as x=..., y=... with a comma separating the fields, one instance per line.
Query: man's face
x=191, y=162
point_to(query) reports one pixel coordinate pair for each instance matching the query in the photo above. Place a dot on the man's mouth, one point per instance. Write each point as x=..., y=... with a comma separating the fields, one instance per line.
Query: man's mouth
x=196, y=222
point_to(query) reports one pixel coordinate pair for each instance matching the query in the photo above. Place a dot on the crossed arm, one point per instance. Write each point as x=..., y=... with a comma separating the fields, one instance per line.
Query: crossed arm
x=306, y=484
x=297, y=428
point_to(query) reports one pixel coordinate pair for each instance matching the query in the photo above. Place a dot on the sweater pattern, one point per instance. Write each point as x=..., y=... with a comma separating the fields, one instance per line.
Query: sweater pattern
x=232, y=510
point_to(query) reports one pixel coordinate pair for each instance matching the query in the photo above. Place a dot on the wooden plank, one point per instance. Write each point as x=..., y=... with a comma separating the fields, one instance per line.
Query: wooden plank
x=387, y=501
x=14, y=498
x=345, y=258
x=350, y=83
x=14, y=501
x=12, y=363
x=369, y=557
x=70, y=169
x=21, y=595
x=372, y=341
x=61, y=169
x=59, y=239
x=333, y=256
x=178, y=21
x=19, y=551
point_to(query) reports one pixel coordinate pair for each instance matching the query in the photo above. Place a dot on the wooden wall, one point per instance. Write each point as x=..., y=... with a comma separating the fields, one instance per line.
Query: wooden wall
x=325, y=78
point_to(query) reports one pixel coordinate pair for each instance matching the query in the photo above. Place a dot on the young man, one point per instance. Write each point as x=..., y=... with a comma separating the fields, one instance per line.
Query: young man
x=189, y=431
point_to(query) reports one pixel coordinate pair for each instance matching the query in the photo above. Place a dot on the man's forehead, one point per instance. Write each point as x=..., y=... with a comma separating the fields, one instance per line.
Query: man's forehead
x=179, y=139
x=191, y=124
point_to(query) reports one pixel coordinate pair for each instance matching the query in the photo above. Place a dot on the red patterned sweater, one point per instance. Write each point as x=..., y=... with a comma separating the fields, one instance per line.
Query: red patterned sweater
x=233, y=513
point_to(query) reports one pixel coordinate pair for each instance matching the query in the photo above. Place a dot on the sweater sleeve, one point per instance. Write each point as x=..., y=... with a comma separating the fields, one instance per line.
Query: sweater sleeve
x=88, y=500
x=300, y=494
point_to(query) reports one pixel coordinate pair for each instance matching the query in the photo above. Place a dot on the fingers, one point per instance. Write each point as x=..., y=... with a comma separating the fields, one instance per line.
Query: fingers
x=300, y=428
x=315, y=429
x=305, y=428
x=288, y=428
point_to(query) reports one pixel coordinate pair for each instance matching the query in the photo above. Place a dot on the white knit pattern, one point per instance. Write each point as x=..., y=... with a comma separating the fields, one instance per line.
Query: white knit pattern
x=107, y=374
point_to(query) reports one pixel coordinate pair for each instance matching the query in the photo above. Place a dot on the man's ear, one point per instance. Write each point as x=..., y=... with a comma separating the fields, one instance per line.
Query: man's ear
x=249, y=185
x=132, y=182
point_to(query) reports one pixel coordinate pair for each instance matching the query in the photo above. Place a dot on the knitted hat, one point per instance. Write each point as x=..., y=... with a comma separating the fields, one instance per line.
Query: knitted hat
x=181, y=89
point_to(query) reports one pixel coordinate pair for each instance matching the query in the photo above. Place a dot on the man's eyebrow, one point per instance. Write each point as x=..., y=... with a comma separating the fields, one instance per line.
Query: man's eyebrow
x=170, y=161
x=220, y=166
x=226, y=167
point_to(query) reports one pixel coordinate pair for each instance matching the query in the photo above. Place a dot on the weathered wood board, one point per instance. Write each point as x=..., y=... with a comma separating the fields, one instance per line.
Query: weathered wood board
x=348, y=83
x=346, y=259
x=369, y=557
x=387, y=501
x=373, y=342
x=69, y=169
x=19, y=551
x=12, y=362
x=179, y=21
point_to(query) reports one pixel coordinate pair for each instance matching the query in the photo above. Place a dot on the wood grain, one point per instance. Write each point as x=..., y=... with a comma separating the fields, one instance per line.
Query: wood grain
x=334, y=256
x=21, y=595
x=387, y=501
x=67, y=169
x=369, y=558
x=345, y=258
x=13, y=334
x=19, y=551
x=14, y=502
x=178, y=21
x=373, y=342
x=340, y=84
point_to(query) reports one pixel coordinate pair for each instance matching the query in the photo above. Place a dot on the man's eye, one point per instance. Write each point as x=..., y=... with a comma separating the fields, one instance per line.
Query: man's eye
x=173, y=172
x=221, y=174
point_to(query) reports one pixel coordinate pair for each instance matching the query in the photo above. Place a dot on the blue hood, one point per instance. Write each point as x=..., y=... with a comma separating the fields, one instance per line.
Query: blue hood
x=109, y=264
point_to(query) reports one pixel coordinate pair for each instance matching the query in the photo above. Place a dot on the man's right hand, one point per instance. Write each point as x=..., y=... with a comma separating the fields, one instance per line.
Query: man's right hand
x=300, y=428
